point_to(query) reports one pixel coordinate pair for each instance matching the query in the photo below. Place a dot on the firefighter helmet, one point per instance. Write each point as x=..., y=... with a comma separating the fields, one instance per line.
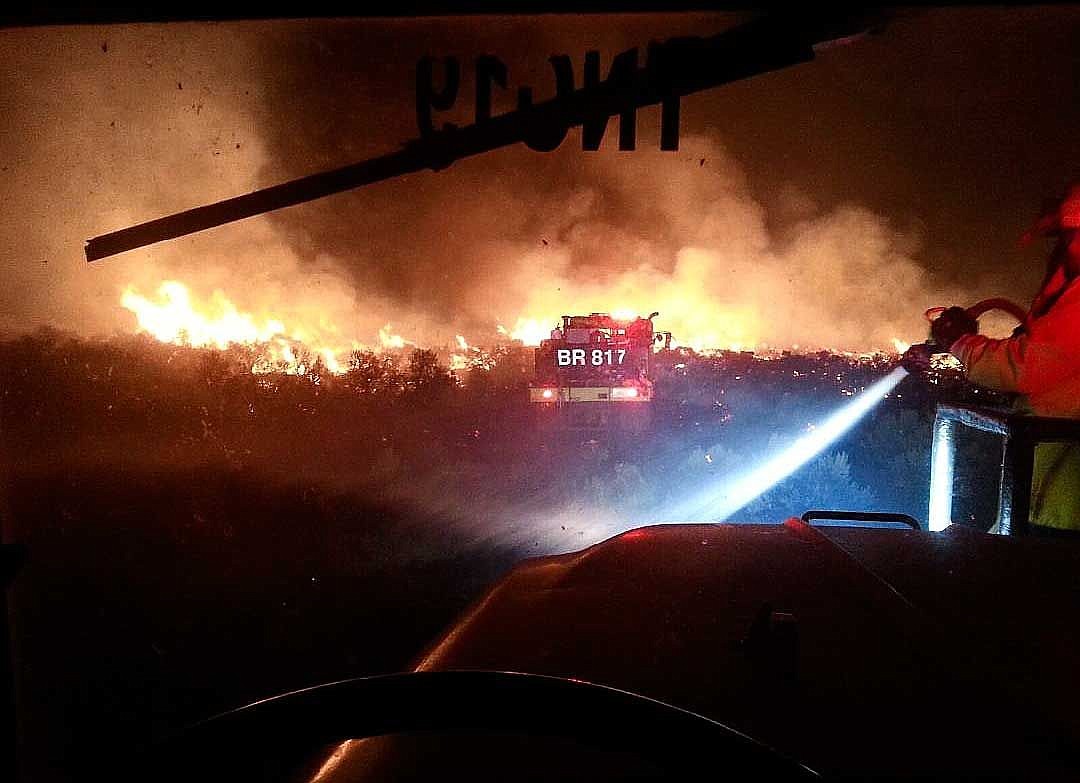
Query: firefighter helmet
x=1061, y=215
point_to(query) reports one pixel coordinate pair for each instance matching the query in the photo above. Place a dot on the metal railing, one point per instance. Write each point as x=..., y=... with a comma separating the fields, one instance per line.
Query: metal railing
x=1020, y=435
x=831, y=518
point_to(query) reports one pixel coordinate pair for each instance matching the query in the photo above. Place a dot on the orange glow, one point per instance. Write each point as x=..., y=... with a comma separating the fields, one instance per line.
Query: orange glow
x=387, y=339
x=175, y=315
x=294, y=344
x=708, y=328
x=720, y=300
x=174, y=318
x=532, y=330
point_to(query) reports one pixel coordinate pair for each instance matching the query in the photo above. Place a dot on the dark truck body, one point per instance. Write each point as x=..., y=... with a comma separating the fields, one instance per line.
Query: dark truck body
x=905, y=653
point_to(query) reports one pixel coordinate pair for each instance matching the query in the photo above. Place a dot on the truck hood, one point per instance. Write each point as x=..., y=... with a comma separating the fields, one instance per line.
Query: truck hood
x=857, y=651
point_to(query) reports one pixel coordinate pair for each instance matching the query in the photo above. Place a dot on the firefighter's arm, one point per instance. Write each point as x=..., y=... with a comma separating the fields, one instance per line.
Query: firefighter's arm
x=1027, y=363
x=995, y=364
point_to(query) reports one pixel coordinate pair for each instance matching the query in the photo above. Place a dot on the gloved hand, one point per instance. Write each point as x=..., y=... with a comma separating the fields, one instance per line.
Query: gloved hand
x=917, y=358
x=950, y=326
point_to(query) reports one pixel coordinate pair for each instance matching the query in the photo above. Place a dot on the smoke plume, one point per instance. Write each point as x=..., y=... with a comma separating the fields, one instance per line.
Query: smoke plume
x=109, y=126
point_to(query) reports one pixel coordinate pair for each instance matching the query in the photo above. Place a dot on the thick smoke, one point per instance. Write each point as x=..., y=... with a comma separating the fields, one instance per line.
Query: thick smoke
x=105, y=127
x=683, y=234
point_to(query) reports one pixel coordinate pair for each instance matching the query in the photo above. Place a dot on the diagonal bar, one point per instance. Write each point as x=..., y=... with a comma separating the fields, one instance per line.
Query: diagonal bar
x=675, y=68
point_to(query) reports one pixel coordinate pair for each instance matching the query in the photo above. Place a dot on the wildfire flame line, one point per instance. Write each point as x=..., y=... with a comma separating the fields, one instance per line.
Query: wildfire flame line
x=177, y=316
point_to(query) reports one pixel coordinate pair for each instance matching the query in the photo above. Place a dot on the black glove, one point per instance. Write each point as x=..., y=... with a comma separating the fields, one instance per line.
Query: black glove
x=950, y=326
x=917, y=358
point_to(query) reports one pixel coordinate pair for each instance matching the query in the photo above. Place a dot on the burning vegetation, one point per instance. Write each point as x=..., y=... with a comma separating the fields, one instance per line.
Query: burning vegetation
x=178, y=316
x=174, y=316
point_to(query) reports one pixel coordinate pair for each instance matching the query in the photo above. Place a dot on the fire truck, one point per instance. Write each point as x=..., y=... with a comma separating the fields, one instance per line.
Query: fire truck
x=593, y=365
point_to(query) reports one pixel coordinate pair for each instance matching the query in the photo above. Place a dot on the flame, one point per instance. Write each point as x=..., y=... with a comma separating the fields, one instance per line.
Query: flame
x=301, y=345
x=175, y=319
x=708, y=300
x=462, y=361
x=387, y=339
x=945, y=361
x=176, y=316
x=706, y=328
x=532, y=330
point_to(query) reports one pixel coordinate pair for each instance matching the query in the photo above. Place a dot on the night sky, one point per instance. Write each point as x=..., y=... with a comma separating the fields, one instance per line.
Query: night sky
x=836, y=201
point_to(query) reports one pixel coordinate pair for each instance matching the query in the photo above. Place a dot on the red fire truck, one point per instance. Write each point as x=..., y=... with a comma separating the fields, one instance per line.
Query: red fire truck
x=598, y=359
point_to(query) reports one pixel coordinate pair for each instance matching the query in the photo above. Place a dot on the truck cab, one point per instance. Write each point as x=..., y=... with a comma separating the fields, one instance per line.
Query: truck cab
x=595, y=371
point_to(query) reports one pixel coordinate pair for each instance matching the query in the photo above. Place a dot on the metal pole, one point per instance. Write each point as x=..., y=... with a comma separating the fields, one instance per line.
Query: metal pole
x=942, y=451
x=1015, y=491
x=675, y=68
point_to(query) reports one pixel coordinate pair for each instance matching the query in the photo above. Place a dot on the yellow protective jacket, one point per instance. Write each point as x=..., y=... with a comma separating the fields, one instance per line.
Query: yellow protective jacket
x=1041, y=363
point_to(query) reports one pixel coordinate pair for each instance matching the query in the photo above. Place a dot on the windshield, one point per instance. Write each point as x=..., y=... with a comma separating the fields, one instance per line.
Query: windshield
x=292, y=446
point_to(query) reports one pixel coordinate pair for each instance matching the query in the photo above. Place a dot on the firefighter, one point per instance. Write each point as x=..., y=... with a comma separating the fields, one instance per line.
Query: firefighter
x=1040, y=362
